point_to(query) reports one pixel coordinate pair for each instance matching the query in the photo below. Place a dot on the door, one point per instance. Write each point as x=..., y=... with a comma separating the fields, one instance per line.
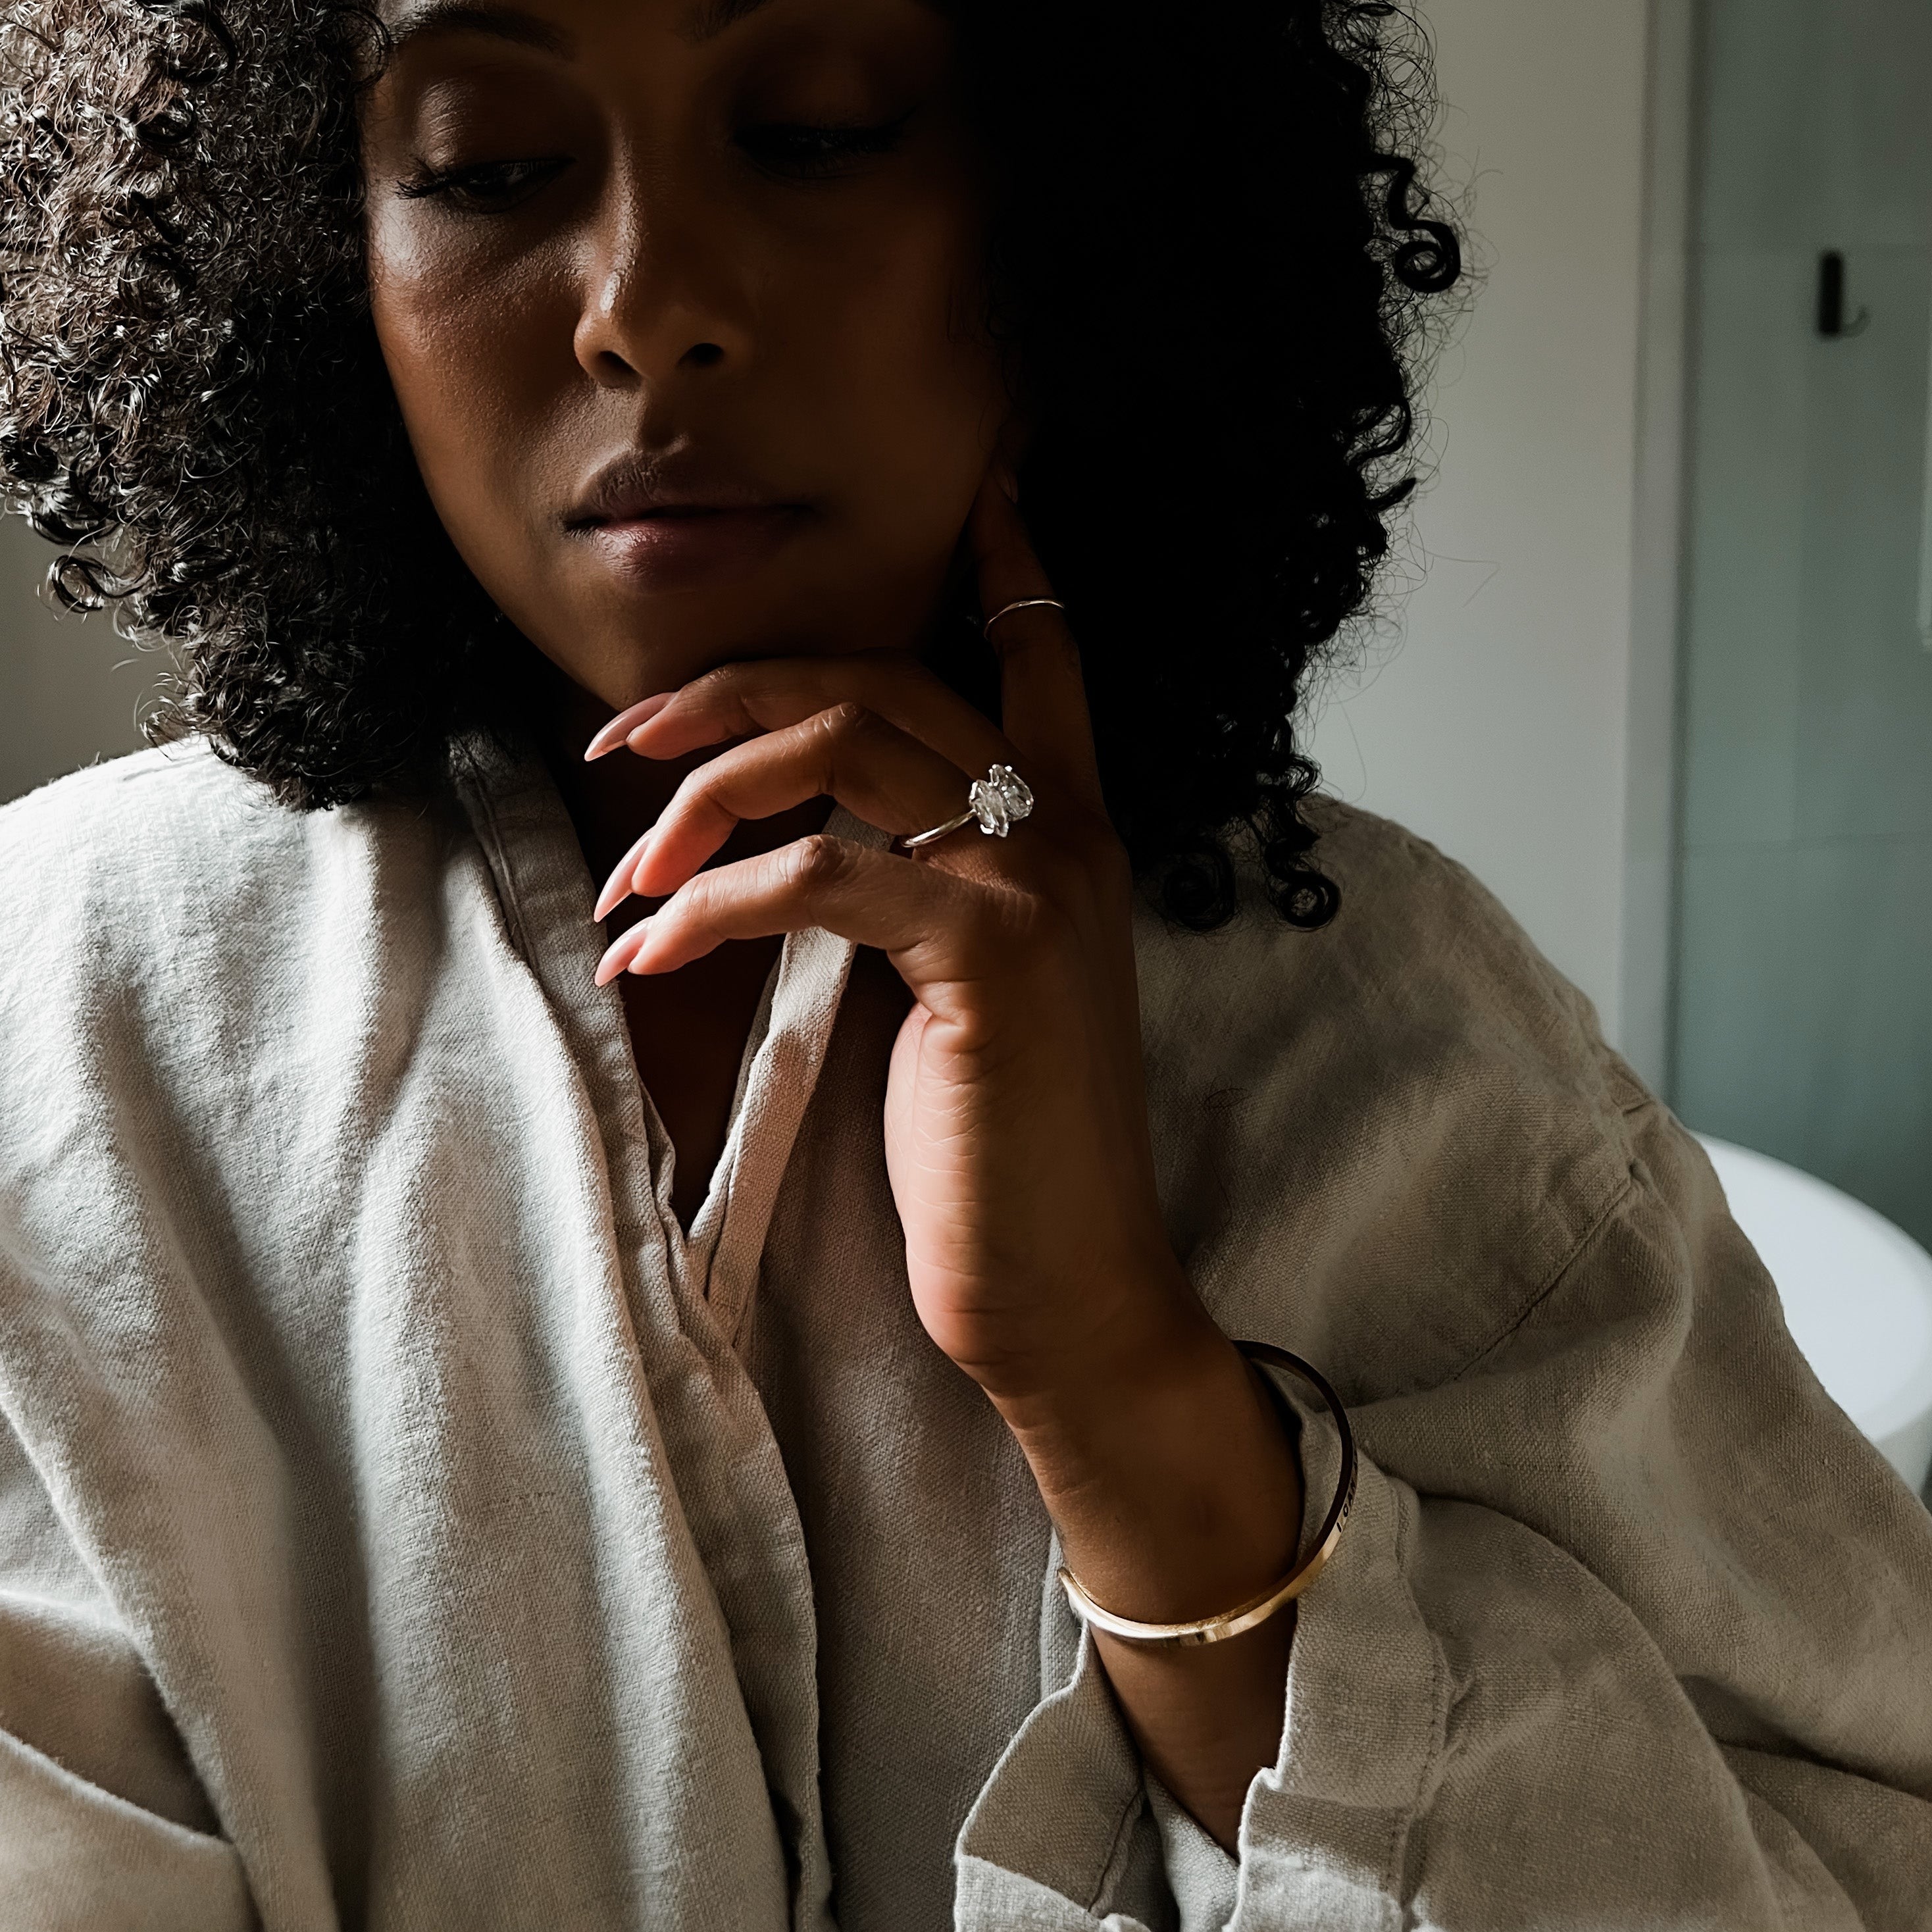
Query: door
x=1803, y=1003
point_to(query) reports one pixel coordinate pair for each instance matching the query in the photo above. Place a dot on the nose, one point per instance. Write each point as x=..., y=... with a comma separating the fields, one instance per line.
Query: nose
x=659, y=296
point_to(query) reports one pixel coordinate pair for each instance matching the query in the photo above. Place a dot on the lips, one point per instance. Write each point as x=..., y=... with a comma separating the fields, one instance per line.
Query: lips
x=673, y=521
x=680, y=550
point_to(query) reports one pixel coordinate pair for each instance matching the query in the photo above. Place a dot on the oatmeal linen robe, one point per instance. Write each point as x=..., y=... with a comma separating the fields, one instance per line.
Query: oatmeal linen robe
x=403, y=1526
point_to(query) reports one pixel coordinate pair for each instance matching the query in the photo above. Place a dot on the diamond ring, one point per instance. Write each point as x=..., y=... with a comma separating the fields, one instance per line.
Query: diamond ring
x=998, y=801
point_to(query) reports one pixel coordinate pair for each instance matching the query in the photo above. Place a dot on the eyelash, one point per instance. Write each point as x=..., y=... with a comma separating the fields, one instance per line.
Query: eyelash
x=794, y=151
x=808, y=153
x=486, y=187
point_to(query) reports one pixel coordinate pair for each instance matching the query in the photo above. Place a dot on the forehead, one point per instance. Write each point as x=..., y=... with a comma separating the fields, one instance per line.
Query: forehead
x=550, y=25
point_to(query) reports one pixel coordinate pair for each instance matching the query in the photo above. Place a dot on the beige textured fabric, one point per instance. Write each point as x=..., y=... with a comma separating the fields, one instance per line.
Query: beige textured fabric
x=403, y=1526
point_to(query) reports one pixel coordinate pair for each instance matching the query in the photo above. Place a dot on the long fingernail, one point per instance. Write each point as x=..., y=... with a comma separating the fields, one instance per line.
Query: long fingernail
x=622, y=950
x=1008, y=483
x=618, y=887
x=621, y=727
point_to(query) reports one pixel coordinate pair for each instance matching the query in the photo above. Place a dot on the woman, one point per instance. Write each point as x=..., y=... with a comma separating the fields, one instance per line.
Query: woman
x=515, y=1423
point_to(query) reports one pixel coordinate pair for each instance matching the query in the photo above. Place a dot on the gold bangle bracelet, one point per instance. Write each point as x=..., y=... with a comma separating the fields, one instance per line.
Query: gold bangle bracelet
x=1257, y=1610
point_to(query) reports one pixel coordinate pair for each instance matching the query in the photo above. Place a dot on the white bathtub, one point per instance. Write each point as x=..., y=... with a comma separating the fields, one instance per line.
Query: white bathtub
x=1857, y=1293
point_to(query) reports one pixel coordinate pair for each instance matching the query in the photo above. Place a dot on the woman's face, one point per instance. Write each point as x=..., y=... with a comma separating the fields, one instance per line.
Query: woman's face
x=682, y=301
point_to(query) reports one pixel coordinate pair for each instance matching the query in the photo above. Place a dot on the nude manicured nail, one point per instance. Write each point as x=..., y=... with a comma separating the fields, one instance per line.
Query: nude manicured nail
x=618, y=887
x=625, y=949
x=621, y=727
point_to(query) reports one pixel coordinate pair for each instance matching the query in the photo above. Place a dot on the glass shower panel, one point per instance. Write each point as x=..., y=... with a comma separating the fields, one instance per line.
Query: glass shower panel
x=1925, y=538
x=1803, y=1022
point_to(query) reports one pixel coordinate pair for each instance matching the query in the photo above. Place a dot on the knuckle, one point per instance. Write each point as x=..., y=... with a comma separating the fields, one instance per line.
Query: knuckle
x=812, y=864
x=1022, y=925
x=696, y=898
x=696, y=788
x=846, y=721
x=723, y=682
x=719, y=694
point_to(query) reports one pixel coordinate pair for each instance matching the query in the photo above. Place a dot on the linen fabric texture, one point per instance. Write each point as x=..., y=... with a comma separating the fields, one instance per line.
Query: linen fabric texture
x=404, y=1524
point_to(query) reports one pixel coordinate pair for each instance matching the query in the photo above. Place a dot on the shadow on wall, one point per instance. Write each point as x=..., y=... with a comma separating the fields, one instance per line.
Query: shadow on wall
x=71, y=691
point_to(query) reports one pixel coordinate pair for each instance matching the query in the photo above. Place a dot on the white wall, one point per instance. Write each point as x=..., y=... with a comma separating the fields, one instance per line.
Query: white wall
x=1497, y=726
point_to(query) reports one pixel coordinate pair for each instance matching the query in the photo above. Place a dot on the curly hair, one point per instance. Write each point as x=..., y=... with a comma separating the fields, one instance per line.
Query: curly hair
x=1213, y=262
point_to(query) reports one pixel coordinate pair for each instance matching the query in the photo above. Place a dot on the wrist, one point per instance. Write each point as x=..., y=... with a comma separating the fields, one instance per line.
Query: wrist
x=1168, y=1469
x=1137, y=1372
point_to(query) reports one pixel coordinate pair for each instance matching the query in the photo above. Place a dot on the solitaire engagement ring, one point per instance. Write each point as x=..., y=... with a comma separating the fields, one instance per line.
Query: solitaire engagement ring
x=998, y=801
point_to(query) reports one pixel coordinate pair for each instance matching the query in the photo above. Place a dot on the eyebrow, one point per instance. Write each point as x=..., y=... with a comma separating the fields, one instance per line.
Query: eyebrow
x=468, y=16
x=714, y=16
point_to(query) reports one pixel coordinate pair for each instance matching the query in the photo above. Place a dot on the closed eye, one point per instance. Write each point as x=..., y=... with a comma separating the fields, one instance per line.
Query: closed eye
x=483, y=188
x=804, y=151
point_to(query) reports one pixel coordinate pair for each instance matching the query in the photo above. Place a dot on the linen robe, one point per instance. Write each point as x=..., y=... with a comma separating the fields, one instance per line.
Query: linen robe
x=404, y=1523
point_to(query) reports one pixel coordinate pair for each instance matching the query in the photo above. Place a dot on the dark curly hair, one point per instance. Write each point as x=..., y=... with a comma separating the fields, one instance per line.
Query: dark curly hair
x=1212, y=266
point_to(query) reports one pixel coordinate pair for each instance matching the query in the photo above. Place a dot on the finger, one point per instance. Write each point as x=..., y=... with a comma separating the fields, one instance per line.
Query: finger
x=878, y=773
x=617, y=888
x=873, y=898
x=622, y=951
x=1043, y=693
x=621, y=727
x=740, y=700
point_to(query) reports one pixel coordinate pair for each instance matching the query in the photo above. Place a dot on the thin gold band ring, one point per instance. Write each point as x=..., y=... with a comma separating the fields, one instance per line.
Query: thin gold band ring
x=1022, y=604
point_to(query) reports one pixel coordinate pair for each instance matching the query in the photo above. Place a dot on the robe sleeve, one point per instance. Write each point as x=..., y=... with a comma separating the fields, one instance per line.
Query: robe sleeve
x=103, y=1827
x=1630, y=1627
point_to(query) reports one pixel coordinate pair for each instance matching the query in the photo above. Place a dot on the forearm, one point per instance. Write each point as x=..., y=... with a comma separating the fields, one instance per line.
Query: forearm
x=1177, y=1495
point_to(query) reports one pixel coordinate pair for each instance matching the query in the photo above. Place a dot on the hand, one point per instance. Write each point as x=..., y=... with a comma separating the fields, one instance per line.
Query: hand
x=1016, y=1132
x=1015, y=1124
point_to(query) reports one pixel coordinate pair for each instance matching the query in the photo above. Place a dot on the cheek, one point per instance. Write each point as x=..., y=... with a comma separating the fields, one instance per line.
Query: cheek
x=471, y=350
x=898, y=326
